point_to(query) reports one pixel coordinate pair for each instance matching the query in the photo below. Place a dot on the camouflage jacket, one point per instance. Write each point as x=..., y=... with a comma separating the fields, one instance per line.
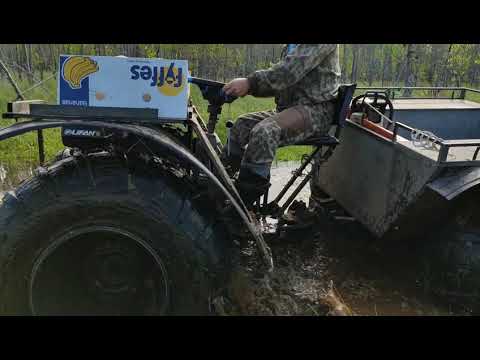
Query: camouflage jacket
x=309, y=75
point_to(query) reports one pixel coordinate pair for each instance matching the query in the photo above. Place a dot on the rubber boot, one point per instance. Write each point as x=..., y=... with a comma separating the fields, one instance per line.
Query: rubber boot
x=231, y=163
x=251, y=186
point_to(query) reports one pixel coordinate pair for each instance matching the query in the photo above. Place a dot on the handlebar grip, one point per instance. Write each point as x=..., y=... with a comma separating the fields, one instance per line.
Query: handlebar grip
x=212, y=90
x=227, y=98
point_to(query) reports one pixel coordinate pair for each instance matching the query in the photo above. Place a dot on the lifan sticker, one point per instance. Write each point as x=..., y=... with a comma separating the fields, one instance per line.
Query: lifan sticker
x=109, y=81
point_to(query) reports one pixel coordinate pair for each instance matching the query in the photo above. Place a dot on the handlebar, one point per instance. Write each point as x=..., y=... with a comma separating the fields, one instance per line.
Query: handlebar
x=212, y=91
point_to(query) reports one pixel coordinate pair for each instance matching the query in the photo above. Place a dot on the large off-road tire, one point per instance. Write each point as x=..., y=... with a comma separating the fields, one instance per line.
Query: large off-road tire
x=89, y=236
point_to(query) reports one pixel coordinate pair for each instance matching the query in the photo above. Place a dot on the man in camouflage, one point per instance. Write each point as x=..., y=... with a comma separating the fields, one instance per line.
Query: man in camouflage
x=304, y=84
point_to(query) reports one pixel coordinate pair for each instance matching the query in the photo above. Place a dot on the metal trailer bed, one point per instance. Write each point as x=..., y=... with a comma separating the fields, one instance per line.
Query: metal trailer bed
x=382, y=181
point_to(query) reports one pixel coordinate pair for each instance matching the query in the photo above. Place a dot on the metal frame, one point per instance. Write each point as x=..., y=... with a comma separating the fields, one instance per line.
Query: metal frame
x=39, y=112
x=391, y=91
x=445, y=145
x=345, y=96
x=215, y=172
x=273, y=207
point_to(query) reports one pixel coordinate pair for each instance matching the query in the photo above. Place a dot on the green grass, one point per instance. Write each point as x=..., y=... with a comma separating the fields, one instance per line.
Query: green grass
x=20, y=154
x=473, y=96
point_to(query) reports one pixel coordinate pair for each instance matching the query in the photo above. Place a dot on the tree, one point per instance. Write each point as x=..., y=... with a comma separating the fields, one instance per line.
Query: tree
x=410, y=69
x=388, y=64
x=344, y=64
x=353, y=74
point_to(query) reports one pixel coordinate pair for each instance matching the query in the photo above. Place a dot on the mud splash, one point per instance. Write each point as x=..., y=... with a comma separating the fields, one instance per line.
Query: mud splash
x=333, y=269
x=327, y=271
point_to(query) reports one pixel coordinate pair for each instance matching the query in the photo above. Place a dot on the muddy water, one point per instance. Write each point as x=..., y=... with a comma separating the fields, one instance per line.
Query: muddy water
x=368, y=277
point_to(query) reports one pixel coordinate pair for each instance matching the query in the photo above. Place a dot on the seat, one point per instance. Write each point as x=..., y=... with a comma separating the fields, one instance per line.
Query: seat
x=342, y=106
x=344, y=97
x=326, y=140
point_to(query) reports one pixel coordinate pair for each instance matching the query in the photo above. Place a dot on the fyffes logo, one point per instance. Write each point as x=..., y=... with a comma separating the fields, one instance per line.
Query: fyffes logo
x=170, y=81
x=77, y=68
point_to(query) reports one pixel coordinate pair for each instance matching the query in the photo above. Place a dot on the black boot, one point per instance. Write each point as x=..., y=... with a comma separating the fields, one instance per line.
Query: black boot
x=251, y=186
x=231, y=163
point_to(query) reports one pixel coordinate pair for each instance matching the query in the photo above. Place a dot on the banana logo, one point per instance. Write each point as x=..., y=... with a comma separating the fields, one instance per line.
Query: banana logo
x=77, y=68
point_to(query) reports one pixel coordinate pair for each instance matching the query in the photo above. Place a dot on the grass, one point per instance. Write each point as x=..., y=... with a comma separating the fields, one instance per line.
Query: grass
x=20, y=154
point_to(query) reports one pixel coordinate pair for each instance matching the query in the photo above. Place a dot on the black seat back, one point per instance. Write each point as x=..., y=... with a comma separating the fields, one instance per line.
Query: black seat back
x=344, y=98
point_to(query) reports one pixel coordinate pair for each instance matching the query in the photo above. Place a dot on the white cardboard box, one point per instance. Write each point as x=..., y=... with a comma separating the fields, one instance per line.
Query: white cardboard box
x=110, y=81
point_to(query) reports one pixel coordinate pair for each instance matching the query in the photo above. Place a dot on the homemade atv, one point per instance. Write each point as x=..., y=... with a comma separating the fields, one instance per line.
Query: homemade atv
x=128, y=219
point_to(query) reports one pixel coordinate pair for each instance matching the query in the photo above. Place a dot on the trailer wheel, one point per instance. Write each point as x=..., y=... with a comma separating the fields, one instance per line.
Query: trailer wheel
x=454, y=250
x=85, y=236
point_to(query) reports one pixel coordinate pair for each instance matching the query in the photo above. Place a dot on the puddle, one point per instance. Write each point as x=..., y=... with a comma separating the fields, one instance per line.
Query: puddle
x=309, y=264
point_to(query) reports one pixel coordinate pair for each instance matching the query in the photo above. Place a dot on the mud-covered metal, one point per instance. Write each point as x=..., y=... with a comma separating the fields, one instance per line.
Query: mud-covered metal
x=373, y=178
x=453, y=182
x=380, y=181
x=161, y=141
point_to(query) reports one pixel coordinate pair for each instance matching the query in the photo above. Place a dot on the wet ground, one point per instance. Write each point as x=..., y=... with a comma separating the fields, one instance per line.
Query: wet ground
x=338, y=269
x=281, y=173
x=332, y=268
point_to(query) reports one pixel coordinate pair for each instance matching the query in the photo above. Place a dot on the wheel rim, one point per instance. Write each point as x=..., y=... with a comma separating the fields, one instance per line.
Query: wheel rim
x=99, y=270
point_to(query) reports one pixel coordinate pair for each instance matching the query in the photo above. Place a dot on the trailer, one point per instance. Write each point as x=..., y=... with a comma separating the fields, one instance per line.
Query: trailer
x=410, y=171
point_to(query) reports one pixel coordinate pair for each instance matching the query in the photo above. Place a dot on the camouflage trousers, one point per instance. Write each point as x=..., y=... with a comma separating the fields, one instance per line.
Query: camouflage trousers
x=256, y=136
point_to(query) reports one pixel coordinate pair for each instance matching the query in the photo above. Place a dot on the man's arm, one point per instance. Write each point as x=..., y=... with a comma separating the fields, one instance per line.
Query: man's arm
x=303, y=59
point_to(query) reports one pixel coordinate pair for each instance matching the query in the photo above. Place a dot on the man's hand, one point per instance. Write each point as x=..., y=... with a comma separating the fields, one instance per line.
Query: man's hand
x=237, y=87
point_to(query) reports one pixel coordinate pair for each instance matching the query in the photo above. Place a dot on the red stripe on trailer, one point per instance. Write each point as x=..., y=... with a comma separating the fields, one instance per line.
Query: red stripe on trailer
x=377, y=129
